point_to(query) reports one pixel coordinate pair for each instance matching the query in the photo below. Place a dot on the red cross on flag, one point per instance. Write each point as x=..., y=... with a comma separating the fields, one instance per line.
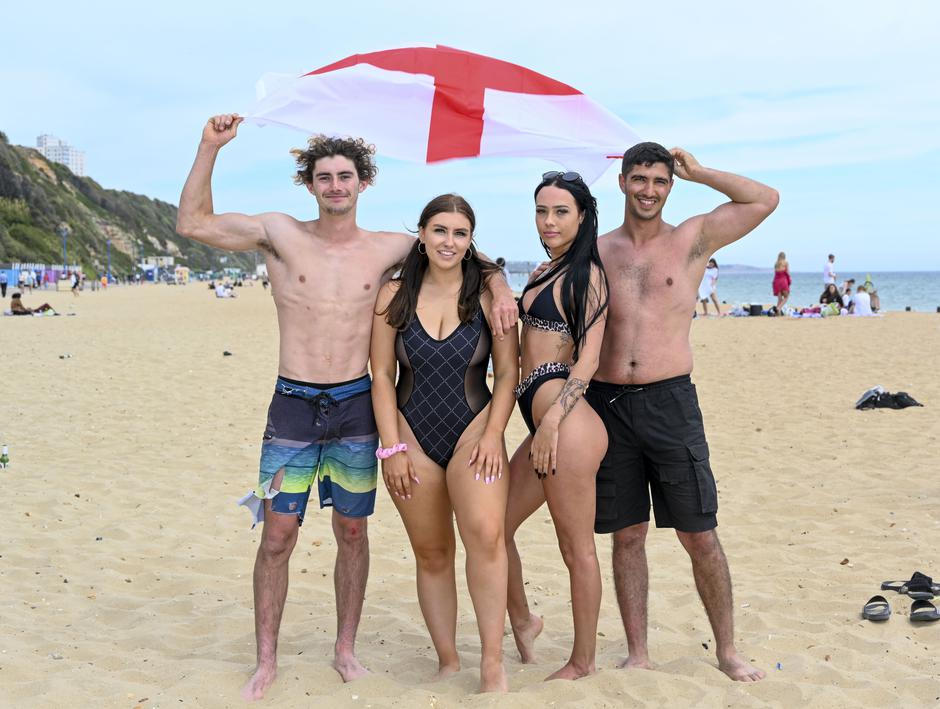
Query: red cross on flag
x=427, y=104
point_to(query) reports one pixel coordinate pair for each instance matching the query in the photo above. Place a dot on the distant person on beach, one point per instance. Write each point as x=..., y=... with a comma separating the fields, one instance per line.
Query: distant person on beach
x=3, y=284
x=848, y=298
x=861, y=304
x=17, y=307
x=76, y=283
x=444, y=453
x=325, y=274
x=224, y=291
x=707, y=288
x=829, y=272
x=644, y=394
x=847, y=286
x=830, y=295
x=872, y=294
x=563, y=310
x=782, y=280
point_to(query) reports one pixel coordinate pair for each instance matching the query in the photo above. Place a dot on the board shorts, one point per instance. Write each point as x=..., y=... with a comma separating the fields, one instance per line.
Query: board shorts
x=656, y=449
x=318, y=432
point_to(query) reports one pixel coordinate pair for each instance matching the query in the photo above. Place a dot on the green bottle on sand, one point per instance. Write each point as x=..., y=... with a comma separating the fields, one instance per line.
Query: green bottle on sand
x=4, y=457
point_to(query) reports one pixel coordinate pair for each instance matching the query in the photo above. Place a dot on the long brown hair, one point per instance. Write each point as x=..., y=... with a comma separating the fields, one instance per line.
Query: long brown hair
x=476, y=270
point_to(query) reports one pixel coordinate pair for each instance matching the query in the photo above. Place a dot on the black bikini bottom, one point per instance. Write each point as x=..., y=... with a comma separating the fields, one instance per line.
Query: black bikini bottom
x=525, y=391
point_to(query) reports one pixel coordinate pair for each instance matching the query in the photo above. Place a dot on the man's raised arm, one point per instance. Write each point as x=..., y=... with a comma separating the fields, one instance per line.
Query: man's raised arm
x=196, y=218
x=751, y=202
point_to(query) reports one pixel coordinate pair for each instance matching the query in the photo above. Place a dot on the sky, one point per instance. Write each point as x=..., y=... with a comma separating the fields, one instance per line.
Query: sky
x=835, y=104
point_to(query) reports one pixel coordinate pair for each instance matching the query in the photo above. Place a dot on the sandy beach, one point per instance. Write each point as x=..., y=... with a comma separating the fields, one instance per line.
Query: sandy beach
x=125, y=564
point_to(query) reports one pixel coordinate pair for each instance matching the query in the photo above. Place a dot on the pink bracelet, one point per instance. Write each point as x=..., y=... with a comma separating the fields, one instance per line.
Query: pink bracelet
x=383, y=453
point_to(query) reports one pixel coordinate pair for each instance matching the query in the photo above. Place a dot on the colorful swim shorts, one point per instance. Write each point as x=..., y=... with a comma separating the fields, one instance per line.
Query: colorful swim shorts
x=324, y=432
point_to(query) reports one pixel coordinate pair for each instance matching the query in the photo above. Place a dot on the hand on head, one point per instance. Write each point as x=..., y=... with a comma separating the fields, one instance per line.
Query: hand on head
x=686, y=165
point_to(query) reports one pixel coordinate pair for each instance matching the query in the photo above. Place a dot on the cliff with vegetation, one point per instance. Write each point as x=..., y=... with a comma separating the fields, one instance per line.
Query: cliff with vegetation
x=37, y=196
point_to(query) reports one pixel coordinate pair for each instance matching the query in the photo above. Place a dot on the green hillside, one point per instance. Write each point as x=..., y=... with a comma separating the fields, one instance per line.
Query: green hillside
x=37, y=195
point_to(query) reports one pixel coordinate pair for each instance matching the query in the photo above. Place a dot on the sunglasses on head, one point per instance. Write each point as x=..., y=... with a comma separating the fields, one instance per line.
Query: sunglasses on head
x=565, y=176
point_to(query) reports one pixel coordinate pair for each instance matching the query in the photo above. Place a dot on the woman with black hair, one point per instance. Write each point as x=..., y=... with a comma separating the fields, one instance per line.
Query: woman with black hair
x=831, y=295
x=444, y=454
x=563, y=311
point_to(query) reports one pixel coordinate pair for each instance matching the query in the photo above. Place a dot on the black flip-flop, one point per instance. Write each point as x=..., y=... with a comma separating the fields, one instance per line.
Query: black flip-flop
x=919, y=586
x=877, y=608
x=924, y=611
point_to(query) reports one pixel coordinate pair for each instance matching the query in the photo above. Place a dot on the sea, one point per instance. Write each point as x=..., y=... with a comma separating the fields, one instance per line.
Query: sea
x=898, y=290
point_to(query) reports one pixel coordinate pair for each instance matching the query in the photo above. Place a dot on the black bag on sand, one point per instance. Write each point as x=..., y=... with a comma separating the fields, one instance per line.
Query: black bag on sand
x=887, y=400
x=902, y=400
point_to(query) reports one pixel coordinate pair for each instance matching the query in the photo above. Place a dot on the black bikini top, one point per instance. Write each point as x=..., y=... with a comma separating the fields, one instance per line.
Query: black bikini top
x=543, y=314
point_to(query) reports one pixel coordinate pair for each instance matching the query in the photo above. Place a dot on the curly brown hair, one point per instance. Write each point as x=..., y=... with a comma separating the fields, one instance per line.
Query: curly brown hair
x=322, y=146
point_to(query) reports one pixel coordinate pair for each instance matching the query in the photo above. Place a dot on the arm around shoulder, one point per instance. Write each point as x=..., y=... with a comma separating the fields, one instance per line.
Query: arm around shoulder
x=503, y=310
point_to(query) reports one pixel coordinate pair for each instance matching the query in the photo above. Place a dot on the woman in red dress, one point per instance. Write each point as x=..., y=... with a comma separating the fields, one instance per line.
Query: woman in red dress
x=781, y=281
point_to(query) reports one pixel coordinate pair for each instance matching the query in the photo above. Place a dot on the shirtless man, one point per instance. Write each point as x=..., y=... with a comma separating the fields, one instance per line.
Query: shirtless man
x=324, y=274
x=643, y=390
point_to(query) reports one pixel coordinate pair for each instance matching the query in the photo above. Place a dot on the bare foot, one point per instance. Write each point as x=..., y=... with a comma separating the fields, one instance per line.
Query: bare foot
x=446, y=670
x=525, y=636
x=738, y=669
x=349, y=667
x=259, y=683
x=571, y=671
x=636, y=663
x=493, y=676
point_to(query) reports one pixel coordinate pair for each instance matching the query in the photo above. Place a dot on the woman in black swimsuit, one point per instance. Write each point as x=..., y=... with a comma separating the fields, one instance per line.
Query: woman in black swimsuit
x=444, y=454
x=563, y=313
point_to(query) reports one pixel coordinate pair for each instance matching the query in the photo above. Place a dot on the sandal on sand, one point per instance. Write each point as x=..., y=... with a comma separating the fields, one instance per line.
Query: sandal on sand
x=922, y=611
x=877, y=608
x=920, y=587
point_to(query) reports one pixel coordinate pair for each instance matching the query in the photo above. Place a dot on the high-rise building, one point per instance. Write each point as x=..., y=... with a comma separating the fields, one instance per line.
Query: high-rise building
x=61, y=152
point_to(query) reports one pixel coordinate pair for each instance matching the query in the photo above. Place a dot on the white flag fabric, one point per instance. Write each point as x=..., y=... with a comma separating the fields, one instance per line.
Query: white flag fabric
x=428, y=104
